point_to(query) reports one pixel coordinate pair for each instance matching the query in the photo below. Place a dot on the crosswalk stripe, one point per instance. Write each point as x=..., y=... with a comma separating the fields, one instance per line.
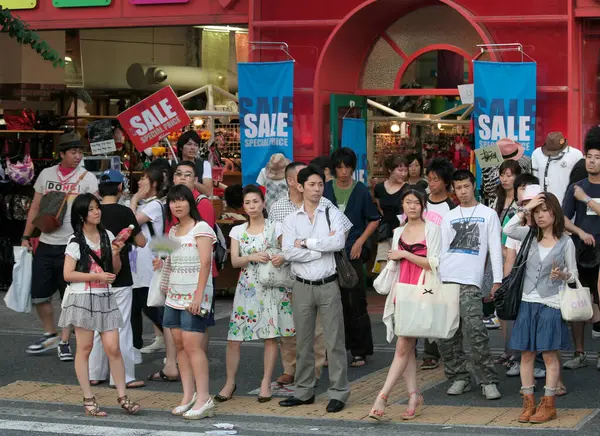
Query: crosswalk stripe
x=85, y=430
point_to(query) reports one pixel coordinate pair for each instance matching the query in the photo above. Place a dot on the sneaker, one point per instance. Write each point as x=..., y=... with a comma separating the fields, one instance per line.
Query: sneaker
x=459, y=387
x=64, y=352
x=490, y=392
x=492, y=322
x=138, y=356
x=539, y=373
x=47, y=342
x=514, y=370
x=579, y=360
x=155, y=347
x=430, y=364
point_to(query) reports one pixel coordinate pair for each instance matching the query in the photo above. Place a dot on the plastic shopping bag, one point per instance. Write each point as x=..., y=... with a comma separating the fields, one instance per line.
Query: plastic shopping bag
x=576, y=304
x=18, y=297
x=427, y=310
x=156, y=297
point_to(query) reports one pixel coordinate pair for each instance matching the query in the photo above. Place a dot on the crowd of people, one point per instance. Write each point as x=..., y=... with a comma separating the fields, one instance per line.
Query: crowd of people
x=290, y=252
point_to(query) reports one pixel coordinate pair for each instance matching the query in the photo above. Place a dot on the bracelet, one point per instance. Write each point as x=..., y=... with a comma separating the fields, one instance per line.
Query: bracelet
x=587, y=199
x=25, y=238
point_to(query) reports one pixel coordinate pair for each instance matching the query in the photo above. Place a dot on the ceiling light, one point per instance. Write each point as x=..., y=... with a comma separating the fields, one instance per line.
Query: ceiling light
x=198, y=122
x=68, y=59
x=395, y=127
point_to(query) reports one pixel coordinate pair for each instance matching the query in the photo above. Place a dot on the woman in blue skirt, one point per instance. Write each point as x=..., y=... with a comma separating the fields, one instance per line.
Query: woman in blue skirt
x=539, y=326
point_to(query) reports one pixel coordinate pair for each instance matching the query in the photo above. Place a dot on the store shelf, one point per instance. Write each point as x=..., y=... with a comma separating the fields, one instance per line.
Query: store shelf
x=37, y=132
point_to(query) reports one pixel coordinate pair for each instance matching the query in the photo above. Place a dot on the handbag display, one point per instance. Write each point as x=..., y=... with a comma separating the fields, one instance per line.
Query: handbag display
x=429, y=309
x=52, y=209
x=347, y=277
x=22, y=172
x=268, y=274
x=507, y=298
x=576, y=303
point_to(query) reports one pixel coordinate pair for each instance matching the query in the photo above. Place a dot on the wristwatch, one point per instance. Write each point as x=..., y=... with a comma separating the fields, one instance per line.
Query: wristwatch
x=303, y=243
x=587, y=199
x=522, y=209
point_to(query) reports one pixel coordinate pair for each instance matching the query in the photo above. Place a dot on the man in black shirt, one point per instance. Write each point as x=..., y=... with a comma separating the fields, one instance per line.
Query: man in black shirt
x=116, y=217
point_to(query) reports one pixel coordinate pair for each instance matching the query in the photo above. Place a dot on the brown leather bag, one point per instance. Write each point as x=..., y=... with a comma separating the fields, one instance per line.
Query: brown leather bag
x=52, y=209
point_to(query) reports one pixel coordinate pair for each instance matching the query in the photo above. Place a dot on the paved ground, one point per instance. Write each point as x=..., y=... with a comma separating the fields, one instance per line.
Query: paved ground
x=38, y=395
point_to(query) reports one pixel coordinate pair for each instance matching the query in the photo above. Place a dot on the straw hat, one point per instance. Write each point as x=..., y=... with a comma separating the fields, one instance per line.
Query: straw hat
x=275, y=168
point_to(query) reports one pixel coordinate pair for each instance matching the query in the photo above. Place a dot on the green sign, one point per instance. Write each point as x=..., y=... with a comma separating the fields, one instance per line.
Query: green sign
x=79, y=3
x=17, y=4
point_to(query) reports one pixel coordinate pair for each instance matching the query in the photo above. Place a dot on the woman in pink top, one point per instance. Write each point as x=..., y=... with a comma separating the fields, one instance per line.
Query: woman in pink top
x=417, y=249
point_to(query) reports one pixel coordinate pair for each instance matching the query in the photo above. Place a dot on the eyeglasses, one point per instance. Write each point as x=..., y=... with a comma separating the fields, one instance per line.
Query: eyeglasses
x=184, y=175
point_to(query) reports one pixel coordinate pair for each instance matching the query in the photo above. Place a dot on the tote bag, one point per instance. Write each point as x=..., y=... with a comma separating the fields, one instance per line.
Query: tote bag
x=156, y=297
x=268, y=274
x=429, y=309
x=18, y=297
x=576, y=304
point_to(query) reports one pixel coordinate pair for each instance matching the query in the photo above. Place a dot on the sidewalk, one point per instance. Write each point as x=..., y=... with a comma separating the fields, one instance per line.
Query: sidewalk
x=45, y=378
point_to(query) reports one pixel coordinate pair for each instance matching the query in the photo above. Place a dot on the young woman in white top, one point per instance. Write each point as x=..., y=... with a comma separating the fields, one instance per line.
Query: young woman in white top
x=91, y=264
x=187, y=282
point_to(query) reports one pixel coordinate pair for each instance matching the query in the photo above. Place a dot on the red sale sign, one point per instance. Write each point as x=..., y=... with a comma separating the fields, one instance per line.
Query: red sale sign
x=153, y=118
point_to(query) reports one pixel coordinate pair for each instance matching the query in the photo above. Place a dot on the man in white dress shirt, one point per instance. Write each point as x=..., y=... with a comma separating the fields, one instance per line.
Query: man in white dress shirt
x=309, y=243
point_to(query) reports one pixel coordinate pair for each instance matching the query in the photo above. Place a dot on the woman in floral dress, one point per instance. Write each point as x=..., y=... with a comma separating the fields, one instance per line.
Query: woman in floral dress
x=258, y=312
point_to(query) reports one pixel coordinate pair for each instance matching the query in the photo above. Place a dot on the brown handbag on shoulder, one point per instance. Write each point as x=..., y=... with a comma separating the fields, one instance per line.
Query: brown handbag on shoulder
x=52, y=209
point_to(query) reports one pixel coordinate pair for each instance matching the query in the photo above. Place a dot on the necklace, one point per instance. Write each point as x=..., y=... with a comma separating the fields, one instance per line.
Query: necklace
x=472, y=213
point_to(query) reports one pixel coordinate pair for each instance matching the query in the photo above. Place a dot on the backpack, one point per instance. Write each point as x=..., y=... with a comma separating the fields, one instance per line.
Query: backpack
x=220, y=247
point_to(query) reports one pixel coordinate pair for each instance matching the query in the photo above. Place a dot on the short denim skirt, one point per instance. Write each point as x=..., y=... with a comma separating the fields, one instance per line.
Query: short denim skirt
x=539, y=328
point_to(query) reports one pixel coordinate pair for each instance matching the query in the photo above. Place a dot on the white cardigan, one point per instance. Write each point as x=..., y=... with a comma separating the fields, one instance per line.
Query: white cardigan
x=434, y=246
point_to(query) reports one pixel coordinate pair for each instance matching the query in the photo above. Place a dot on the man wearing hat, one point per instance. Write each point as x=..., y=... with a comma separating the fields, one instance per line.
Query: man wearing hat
x=552, y=164
x=116, y=217
x=48, y=262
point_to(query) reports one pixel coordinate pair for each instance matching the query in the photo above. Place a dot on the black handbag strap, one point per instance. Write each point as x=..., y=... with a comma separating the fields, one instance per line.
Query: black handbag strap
x=327, y=218
x=523, y=253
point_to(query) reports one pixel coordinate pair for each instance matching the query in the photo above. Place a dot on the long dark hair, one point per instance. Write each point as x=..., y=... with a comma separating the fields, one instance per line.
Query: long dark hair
x=160, y=177
x=419, y=196
x=79, y=213
x=253, y=189
x=182, y=192
x=515, y=168
x=558, y=227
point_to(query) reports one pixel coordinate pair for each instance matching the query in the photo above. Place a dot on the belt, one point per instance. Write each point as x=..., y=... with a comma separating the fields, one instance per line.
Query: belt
x=317, y=282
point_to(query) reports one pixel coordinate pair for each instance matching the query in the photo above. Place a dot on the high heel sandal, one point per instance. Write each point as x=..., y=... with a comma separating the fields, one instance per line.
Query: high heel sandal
x=222, y=398
x=376, y=413
x=128, y=405
x=410, y=414
x=91, y=408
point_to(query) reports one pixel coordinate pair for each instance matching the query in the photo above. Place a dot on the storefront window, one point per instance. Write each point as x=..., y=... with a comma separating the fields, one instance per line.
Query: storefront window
x=439, y=69
x=590, y=93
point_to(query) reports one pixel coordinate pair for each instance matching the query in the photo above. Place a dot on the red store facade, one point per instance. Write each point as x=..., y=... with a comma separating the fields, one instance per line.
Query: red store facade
x=364, y=47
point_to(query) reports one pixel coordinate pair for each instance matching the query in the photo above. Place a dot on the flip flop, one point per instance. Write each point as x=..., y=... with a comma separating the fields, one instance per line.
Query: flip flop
x=133, y=384
x=161, y=376
x=357, y=362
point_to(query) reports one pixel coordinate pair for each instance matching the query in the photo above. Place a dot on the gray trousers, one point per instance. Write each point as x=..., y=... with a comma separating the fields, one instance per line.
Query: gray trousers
x=325, y=299
x=453, y=354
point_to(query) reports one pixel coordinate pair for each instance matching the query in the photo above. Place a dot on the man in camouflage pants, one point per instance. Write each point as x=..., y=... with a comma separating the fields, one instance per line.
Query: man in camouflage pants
x=468, y=233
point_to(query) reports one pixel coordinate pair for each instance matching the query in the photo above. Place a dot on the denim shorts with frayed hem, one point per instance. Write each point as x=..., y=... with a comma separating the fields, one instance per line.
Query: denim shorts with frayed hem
x=184, y=320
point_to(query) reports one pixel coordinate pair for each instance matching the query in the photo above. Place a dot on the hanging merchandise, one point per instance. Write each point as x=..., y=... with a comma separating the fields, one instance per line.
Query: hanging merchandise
x=24, y=120
x=22, y=172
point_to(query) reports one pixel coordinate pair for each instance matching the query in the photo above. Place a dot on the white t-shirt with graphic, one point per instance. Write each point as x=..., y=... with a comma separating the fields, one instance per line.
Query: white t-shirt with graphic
x=143, y=270
x=468, y=233
x=51, y=180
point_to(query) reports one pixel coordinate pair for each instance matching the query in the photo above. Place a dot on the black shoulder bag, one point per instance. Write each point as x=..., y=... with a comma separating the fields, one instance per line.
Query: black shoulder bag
x=508, y=298
x=347, y=277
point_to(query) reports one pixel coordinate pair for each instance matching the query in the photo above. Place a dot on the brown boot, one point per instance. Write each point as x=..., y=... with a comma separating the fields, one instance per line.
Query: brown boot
x=528, y=408
x=545, y=412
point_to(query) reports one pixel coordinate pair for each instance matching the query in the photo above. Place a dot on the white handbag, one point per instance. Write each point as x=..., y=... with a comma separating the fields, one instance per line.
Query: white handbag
x=576, y=304
x=268, y=274
x=18, y=297
x=430, y=309
x=387, y=278
x=156, y=297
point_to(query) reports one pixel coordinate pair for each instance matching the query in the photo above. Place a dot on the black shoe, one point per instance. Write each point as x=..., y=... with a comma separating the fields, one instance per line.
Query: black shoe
x=293, y=401
x=221, y=398
x=335, y=406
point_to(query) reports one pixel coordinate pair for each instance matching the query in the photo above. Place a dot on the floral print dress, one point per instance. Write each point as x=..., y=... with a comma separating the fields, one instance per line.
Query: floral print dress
x=258, y=312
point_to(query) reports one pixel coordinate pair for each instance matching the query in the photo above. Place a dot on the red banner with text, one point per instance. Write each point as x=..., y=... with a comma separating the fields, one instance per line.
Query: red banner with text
x=154, y=118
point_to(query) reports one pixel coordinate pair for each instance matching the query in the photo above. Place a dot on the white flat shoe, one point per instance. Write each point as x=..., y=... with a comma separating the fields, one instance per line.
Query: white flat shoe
x=206, y=411
x=180, y=410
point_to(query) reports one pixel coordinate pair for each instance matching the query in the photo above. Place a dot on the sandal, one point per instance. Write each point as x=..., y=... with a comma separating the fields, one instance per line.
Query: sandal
x=161, y=376
x=133, y=384
x=411, y=414
x=377, y=414
x=358, y=361
x=503, y=359
x=128, y=405
x=561, y=391
x=91, y=407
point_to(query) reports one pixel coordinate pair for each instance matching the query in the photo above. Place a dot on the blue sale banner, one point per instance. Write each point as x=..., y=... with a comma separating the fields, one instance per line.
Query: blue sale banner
x=266, y=105
x=354, y=136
